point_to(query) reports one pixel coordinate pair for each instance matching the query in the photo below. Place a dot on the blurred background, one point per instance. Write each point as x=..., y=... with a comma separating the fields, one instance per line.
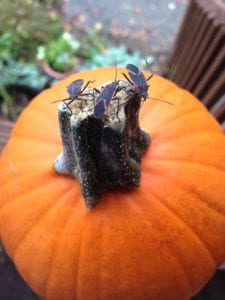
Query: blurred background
x=43, y=41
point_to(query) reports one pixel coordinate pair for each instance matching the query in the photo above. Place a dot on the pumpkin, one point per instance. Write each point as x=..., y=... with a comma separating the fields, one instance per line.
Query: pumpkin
x=162, y=240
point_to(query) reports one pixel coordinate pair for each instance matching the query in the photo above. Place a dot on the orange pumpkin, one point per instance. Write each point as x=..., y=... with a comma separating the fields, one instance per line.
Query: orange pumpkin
x=163, y=240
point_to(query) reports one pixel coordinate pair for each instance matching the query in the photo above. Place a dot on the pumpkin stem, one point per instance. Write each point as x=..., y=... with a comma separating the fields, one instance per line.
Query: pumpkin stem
x=104, y=152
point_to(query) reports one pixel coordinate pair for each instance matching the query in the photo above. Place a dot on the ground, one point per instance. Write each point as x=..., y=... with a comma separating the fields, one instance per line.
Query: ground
x=150, y=27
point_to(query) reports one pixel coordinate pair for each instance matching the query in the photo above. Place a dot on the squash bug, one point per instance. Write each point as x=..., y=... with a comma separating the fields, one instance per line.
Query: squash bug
x=138, y=80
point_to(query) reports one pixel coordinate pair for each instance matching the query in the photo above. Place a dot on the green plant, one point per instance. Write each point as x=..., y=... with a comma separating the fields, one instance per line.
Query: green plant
x=21, y=73
x=19, y=77
x=27, y=24
x=113, y=55
x=60, y=54
x=16, y=75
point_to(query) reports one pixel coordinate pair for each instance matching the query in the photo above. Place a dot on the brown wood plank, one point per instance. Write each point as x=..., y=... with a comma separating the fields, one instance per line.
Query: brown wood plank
x=5, y=129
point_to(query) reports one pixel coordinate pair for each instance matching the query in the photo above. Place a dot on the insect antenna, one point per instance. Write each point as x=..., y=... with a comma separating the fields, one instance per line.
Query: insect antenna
x=160, y=100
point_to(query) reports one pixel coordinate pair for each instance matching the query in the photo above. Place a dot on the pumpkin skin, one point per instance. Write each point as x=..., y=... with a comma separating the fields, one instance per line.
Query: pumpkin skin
x=163, y=240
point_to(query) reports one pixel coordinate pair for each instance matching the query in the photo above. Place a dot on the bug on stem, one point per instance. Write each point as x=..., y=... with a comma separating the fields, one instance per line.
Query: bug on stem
x=140, y=82
x=107, y=94
x=74, y=90
x=105, y=97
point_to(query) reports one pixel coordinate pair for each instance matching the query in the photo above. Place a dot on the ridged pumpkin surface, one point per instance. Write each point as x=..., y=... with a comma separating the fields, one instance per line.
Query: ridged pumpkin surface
x=163, y=240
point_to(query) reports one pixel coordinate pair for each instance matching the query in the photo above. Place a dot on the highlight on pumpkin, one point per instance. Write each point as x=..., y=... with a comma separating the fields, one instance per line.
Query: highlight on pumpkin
x=101, y=123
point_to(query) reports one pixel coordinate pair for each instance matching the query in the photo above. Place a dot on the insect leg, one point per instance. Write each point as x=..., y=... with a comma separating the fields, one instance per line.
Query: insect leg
x=60, y=100
x=147, y=79
x=128, y=79
x=86, y=85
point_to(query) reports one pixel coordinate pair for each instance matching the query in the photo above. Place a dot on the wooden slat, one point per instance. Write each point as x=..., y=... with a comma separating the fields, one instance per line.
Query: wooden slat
x=215, y=40
x=198, y=58
x=218, y=110
x=5, y=129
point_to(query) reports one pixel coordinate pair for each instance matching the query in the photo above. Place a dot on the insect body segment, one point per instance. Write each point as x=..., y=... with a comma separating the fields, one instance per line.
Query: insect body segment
x=105, y=97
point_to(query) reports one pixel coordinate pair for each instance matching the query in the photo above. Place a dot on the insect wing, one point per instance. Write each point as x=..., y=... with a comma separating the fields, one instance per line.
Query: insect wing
x=104, y=98
x=110, y=91
x=100, y=108
x=138, y=77
x=74, y=88
x=132, y=68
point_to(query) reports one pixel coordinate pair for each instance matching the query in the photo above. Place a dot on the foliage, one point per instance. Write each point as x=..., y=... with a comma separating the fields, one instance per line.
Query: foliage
x=113, y=55
x=26, y=25
x=93, y=50
x=23, y=75
x=15, y=72
x=60, y=53
x=63, y=54
x=32, y=29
